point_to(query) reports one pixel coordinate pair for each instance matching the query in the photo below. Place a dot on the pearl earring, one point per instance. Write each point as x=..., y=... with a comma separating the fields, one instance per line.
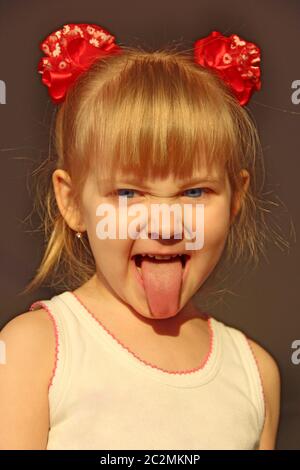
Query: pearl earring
x=78, y=234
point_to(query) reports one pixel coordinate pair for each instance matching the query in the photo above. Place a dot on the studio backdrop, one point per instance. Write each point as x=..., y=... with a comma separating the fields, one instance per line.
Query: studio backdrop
x=264, y=302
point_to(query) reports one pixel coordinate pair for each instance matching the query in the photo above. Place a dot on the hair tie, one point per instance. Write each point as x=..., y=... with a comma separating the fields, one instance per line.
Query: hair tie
x=72, y=49
x=235, y=60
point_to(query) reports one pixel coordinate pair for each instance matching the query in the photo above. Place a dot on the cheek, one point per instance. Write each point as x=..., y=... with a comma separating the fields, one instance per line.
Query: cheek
x=216, y=225
x=111, y=254
x=111, y=257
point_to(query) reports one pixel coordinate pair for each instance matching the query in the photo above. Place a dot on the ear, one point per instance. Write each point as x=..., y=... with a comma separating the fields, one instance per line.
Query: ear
x=62, y=185
x=238, y=197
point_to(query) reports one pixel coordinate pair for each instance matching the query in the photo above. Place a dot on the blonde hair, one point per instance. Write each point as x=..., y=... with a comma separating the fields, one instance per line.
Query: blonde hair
x=152, y=114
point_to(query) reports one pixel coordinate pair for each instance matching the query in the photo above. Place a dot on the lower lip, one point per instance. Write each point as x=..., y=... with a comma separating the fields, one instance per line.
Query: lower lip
x=140, y=279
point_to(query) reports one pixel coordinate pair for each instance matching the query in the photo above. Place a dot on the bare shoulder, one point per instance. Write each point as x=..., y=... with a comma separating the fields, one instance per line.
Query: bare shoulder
x=29, y=341
x=271, y=382
x=35, y=318
x=32, y=334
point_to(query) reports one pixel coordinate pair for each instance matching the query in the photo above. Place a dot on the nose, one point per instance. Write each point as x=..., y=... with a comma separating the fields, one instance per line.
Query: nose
x=165, y=222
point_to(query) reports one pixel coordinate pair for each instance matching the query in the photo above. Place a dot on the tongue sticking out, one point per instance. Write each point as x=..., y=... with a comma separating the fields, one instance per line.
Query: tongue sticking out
x=162, y=281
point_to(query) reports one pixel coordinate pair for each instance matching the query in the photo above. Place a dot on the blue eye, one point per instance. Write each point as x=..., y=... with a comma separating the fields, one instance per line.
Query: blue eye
x=121, y=192
x=130, y=193
x=194, y=192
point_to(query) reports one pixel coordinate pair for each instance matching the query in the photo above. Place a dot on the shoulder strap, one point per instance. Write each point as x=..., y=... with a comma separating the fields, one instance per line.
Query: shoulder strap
x=251, y=367
x=60, y=378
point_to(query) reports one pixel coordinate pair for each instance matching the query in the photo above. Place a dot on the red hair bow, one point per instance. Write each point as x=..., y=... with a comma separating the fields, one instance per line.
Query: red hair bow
x=234, y=60
x=71, y=51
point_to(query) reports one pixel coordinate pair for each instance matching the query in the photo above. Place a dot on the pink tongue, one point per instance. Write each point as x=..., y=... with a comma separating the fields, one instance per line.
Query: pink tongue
x=162, y=282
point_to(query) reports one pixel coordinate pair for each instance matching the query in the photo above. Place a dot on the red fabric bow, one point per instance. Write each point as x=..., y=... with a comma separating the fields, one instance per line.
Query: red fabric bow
x=70, y=51
x=234, y=60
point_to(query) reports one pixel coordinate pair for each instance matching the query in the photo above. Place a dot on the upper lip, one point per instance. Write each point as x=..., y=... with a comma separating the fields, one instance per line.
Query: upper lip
x=160, y=253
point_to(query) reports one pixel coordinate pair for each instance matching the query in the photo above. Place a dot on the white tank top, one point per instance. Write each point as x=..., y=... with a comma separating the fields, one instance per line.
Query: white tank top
x=102, y=396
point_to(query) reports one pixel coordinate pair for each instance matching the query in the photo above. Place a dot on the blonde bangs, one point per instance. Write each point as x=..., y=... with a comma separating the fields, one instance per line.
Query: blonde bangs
x=156, y=117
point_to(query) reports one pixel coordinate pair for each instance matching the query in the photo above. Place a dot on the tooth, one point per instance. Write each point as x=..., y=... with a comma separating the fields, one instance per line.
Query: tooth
x=161, y=256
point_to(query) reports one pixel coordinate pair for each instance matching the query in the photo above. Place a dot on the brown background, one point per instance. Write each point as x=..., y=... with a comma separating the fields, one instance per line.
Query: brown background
x=265, y=303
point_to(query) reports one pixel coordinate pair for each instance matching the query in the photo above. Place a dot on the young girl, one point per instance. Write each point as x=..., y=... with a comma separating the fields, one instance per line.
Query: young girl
x=122, y=358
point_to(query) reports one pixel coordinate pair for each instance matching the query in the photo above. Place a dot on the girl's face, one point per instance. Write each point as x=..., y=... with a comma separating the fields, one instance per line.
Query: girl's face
x=157, y=289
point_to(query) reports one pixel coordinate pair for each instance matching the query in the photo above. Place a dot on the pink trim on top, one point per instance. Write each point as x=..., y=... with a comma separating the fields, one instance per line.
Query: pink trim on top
x=41, y=303
x=259, y=373
x=202, y=365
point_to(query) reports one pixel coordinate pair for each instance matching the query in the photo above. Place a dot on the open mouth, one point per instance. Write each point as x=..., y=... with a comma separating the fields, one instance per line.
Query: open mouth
x=161, y=259
x=162, y=278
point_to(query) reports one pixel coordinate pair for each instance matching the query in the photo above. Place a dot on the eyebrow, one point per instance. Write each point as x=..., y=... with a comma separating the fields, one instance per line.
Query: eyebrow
x=188, y=182
x=205, y=179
